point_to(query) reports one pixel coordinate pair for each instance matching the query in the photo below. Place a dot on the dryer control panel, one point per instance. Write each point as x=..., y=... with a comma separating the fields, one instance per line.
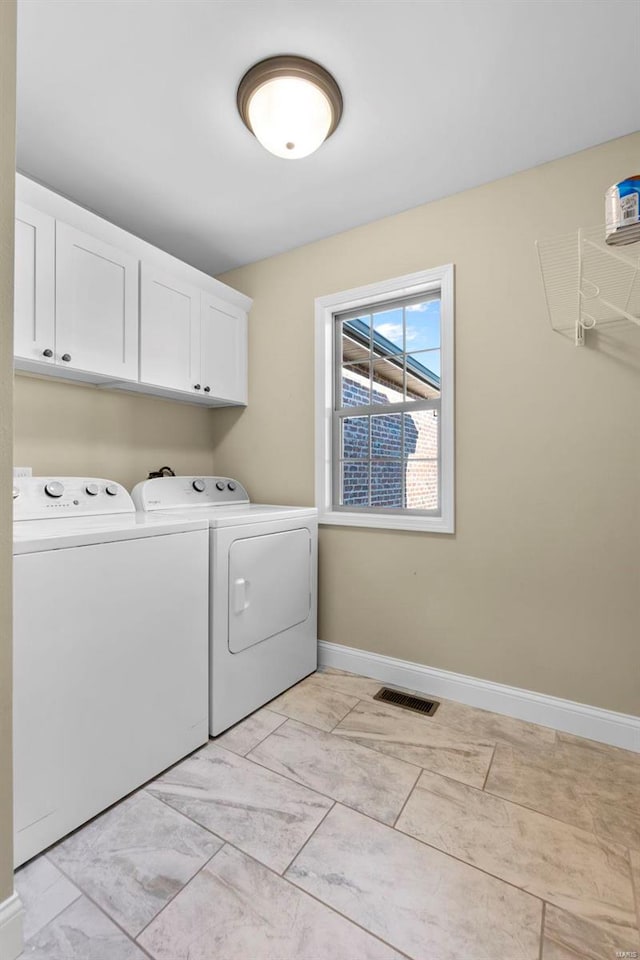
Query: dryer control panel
x=166, y=493
x=43, y=498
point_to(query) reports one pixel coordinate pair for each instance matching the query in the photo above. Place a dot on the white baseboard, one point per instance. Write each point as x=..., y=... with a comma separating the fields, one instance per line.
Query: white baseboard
x=607, y=726
x=11, y=916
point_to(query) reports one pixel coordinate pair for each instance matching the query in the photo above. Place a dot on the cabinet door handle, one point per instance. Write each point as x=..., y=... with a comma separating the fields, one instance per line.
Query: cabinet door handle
x=66, y=357
x=196, y=386
x=47, y=353
x=207, y=389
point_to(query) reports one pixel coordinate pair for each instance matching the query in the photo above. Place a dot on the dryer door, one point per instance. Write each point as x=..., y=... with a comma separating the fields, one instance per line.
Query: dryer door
x=269, y=586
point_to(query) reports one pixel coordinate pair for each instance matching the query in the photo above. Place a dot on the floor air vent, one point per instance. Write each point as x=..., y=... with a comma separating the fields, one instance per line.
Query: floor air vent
x=406, y=701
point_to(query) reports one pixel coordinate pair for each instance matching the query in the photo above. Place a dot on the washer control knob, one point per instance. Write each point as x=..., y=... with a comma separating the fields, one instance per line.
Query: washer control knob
x=92, y=489
x=54, y=489
x=111, y=489
x=198, y=486
x=16, y=493
x=220, y=485
x=231, y=486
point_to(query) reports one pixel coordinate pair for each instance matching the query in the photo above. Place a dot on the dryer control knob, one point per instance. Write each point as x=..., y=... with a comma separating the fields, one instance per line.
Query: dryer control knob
x=220, y=485
x=92, y=489
x=231, y=486
x=198, y=486
x=111, y=489
x=54, y=489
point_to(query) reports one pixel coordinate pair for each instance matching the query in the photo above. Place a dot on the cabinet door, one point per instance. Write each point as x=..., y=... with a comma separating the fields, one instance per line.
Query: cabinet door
x=96, y=305
x=34, y=296
x=223, y=352
x=169, y=331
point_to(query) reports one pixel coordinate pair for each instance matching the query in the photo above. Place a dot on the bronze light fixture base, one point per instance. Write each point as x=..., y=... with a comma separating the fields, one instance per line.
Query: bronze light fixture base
x=287, y=65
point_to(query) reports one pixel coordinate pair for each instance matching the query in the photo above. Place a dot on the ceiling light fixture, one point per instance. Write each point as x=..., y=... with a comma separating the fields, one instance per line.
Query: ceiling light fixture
x=290, y=104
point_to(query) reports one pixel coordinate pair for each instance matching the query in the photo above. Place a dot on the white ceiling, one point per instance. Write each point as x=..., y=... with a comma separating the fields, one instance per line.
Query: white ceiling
x=128, y=107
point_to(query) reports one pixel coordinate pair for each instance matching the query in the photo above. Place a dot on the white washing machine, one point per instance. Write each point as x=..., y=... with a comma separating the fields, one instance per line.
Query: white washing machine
x=111, y=650
x=263, y=589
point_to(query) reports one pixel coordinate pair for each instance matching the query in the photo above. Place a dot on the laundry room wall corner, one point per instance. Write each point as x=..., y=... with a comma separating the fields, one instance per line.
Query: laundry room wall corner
x=7, y=178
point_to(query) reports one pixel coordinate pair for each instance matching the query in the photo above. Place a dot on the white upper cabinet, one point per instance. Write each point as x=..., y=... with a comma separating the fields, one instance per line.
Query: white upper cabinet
x=223, y=351
x=189, y=342
x=34, y=292
x=169, y=331
x=96, y=305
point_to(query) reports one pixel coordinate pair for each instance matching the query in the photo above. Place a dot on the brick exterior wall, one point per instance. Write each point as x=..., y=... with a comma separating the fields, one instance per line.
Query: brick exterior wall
x=420, y=443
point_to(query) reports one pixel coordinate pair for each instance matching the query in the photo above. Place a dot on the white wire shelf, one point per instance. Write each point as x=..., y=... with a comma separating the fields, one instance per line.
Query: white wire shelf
x=587, y=283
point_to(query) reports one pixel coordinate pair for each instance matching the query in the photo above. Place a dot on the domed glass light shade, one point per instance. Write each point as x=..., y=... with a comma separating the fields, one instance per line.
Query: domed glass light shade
x=290, y=104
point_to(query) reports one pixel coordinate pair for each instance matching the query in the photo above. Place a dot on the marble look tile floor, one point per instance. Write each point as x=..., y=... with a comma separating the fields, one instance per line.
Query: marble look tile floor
x=328, y=825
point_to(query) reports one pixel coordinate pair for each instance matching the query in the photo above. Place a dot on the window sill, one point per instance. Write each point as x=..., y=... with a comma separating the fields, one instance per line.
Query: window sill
x=385, y=522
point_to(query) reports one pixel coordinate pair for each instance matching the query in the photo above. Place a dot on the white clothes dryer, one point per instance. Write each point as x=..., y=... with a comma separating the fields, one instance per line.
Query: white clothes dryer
x=263, y=589
x=111, y=650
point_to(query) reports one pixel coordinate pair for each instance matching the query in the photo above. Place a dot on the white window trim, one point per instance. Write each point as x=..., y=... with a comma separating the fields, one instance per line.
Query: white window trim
x=325, y=308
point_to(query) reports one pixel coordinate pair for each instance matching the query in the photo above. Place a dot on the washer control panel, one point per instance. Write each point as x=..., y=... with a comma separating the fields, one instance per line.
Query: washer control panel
x=40, y=498
x=166, y=493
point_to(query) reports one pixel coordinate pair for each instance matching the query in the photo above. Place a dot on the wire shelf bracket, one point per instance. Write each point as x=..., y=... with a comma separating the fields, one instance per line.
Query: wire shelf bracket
x=587, y=283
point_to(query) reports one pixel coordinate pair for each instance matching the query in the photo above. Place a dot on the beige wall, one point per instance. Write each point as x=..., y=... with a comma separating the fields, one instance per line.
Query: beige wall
x=540, y=585
x=7, y=167
x=72, y=430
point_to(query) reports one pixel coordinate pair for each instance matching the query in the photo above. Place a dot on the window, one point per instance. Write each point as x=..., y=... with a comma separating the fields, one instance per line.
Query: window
x=384, y=413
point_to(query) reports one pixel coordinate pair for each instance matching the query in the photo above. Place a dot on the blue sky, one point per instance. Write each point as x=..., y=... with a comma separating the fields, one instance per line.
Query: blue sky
x=423, y=326
x=429, y=359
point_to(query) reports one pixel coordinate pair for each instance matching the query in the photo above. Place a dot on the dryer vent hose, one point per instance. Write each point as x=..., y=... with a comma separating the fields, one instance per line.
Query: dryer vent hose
x=162, y=472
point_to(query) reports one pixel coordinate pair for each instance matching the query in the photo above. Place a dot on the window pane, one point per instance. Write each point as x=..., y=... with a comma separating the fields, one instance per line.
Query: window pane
x=423, y=325
x=355, y=388
x=386, y=436
x=388, y=378
x=421, y=484
x=389, y=433
x=388, y=332
x=356, y=339
x=421, y=434
x=355, y=483
x=386, y=484
x=423, y=375
x=355, y=437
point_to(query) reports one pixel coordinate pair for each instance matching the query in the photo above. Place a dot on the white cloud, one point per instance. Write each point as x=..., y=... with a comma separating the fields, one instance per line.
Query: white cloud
x=392, y=331
x=424, y=307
